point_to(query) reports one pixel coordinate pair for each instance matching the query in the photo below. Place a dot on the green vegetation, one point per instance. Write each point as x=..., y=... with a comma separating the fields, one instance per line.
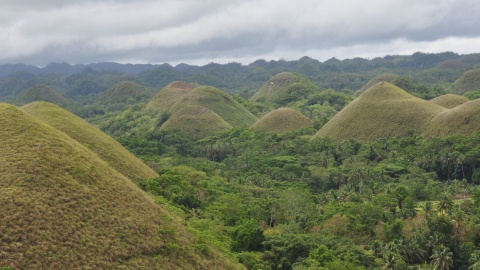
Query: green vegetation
x=42, y=92
x=63, y=207
x=449, y=101
x=282, y=120
x=122, y=94
x=384, y=110
x=164, y=100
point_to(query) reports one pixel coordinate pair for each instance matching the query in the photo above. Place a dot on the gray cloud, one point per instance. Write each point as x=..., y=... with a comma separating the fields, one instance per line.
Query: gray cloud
x=38, y=32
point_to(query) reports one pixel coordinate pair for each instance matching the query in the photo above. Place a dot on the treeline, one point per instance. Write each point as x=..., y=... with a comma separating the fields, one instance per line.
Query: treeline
x=288, y=202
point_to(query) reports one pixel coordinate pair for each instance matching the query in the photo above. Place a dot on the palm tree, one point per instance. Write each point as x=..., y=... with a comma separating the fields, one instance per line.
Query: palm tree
x=445, y=204
x=474, y=260
x=442, y=258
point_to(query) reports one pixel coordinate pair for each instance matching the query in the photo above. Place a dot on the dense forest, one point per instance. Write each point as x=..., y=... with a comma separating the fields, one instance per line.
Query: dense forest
x=288, y=198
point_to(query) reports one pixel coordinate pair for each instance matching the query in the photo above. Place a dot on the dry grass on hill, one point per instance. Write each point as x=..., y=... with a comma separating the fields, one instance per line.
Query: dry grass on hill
x=62, y=207
x=449, y=100
x=103, y=145
x=168, y=96
x=282, y=120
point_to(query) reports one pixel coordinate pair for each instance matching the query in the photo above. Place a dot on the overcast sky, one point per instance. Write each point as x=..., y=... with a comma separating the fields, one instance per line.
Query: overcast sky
x=202, y=31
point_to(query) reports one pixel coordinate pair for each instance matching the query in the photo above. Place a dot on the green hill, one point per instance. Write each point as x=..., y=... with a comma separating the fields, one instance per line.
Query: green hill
x=124, y=93
x=41, y=92
x=104, y=146
x=469, y=81
x=62, y=207
x=449, y=100
x=384, y=110
x=219, y=102
x=196, y=120
x=282, y=120
x=284, y=88
x=387, y=77
x=168, y=96
x=453, y=64
x=463, y=119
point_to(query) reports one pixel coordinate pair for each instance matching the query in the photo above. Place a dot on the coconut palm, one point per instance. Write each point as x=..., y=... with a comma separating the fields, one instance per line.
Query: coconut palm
x=474, y=260
x=442, y=258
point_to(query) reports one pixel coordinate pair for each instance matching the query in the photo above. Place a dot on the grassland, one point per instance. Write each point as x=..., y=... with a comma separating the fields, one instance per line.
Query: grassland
x=198, y=121
x=387, y=77
x=121, y=94
x=104, y=146
x=282, y=120
x=384, y=110
x=219, y=102
x=449, y=100
x=41, y=92
x=62, y=207
x=463, y=119
x=469, y=81
x=168, y=96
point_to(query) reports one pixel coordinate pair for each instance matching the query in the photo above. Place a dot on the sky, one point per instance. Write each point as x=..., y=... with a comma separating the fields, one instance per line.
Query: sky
x=222, y=31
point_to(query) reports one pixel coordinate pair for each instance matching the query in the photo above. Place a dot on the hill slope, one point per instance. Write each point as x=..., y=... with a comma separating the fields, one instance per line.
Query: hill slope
x=469, y=81
x=464, y=119
x=196, y=120
x=449, y=100
x=387, y=77
x=384, y=110
x=41, y=92
x=104, y=146
x=64, y=208
x=284, y=88
x=282, y=120
x=124, y=93
x=168, y=96
x=219, y=102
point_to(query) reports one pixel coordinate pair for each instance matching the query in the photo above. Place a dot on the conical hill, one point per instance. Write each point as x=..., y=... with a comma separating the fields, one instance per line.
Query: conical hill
x=384, y=110
x=469, y=81
x=198, y=121
x=449, y=100
x=104, y=146
x=41, y=92
x=169, y=95
x=219, y=102
x=122, y=94
x=463, y=119
x=62, y=207
x=282, y=120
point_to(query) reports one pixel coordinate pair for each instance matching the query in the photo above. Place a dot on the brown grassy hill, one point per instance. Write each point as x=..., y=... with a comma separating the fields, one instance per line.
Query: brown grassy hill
x=62, y=207
x=104, y=146
x=282, y=120
x=219, y=102
x=168, y=96
x=196, y=120
x=387, y=77
x=284, y=88
x=463, y=119
x=384, y=110
x=449, y=100
x=41, y=92
x=122, y=94
x=469, y=81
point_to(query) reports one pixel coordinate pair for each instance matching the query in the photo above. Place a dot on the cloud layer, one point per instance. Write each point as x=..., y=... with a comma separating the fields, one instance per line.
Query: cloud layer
x=191, y=31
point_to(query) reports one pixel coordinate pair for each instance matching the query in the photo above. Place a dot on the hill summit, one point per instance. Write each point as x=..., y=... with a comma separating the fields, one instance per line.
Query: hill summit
x=282, y=120
x=384, y=110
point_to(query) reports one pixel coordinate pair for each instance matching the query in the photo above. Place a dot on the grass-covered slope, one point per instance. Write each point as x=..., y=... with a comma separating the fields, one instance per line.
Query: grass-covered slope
x=384, y=110
x=168, y=96
x=387, y=77
x=196, y=120
x=449, y=100
x=469, y=81
x=219, y=102
x=463, y=119
x=104, y=146
x=62, y=207
x=282, y=120
x=122, y=94
x=41, y=92
x=284, y=88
